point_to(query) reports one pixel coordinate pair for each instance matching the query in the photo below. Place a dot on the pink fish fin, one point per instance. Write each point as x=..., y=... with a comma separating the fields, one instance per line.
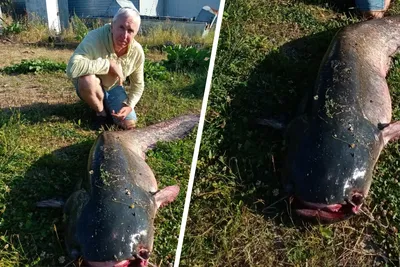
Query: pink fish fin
x=391, y=132
x=166, y=195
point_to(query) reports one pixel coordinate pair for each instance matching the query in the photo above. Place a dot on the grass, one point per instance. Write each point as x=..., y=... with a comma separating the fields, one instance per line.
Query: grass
x=268, y=57
x=166, y=34
x=45, y=139
x=36, y=31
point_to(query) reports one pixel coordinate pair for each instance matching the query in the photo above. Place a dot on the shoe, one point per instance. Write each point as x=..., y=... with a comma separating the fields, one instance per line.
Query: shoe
x=99, y=122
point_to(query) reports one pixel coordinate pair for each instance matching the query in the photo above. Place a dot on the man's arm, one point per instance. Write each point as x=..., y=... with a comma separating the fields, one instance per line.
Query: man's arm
x=85, y=61
x=137, y=82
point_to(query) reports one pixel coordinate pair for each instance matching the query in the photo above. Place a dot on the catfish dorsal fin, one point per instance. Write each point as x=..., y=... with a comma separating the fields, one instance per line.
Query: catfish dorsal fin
x=169, y=130
x=391, y=132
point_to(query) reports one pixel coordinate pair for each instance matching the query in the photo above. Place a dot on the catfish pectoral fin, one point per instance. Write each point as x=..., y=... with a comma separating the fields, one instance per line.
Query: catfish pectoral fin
x=51, y=203
x=391, y=132
x=166, y=195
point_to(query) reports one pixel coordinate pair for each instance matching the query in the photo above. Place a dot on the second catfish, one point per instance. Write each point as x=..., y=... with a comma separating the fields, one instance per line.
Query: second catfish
x=334, y=145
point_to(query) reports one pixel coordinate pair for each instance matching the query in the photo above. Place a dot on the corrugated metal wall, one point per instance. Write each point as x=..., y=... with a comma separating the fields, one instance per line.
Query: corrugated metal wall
x=137, y=4
x=107, y=8
x=151, y=7
x=183, y=8
x=63, y=11
x=96, y=8
x=19, y=6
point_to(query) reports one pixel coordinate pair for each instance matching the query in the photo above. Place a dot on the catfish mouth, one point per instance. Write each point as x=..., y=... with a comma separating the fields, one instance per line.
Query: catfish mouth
x=330, y=213
x=141, y=259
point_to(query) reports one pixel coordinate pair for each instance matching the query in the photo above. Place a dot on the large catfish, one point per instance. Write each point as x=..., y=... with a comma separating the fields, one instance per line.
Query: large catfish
x=109, y=219
x=334, y=146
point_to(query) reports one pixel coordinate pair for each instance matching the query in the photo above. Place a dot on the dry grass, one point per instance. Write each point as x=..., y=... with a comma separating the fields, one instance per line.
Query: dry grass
x=11, y=53
x=36, y=31
x=165, y=34
x=22, y=90
x=68, y=35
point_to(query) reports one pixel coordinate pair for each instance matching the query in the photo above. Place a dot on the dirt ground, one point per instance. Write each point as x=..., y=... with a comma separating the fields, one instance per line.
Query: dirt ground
x=23, y=90
x=49, y=88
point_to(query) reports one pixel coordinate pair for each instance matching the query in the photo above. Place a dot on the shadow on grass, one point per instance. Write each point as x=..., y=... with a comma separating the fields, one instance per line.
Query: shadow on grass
x=275, y=87
x=338, y=5
x=196, y=89
x=40, y=229
x=55, y=44
x=38, y=112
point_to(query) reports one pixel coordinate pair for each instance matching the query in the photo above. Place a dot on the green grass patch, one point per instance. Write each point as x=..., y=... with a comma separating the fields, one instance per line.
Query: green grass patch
x=268, y=57
x=35, y=66
x=171, y=165
x=190, y=58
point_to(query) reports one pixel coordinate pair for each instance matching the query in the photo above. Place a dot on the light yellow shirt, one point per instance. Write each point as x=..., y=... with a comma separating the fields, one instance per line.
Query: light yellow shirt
x=92, y=57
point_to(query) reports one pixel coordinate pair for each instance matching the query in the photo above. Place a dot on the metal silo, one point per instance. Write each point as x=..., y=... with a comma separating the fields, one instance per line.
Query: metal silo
x=18, y=7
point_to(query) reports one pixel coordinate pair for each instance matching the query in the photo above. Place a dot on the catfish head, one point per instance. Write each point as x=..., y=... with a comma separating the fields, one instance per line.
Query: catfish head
x=330, y=164
x=111, y=229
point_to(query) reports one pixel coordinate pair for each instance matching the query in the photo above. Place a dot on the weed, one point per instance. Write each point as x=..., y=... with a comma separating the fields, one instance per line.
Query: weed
x=79, y=27
x=190, y=58
x=166, y=33
x=155, y=71
x=13, y=28
x=35, y=66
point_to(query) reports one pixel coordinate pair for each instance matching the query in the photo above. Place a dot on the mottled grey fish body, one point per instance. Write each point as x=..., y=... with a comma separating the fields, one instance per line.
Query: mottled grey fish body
x=334, y=145
x=110, y=217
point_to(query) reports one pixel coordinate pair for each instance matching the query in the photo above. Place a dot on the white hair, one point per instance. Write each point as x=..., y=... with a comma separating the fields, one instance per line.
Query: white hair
x=128, y=12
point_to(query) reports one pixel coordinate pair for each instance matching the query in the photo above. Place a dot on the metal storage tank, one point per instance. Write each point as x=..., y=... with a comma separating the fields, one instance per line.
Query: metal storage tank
x=95, y=8
x=19, y=7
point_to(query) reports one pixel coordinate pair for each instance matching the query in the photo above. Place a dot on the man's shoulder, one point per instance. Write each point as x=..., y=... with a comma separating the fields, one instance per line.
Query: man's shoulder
x=137, y=48
x=101, y=32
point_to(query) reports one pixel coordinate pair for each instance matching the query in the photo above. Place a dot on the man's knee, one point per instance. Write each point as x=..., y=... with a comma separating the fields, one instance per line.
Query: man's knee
x=89, y=83
x=127, y=124
x=373, y=14
x=373, y=9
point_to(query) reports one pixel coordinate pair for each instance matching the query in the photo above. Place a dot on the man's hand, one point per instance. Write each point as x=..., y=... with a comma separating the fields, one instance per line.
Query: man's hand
x=116, y=70
x=121, y=115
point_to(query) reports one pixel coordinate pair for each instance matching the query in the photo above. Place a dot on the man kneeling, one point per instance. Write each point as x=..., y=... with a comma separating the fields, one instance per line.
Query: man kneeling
x=100, y=65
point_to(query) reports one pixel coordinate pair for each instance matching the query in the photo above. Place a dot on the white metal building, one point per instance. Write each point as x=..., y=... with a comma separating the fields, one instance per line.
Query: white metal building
x=103, y=8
